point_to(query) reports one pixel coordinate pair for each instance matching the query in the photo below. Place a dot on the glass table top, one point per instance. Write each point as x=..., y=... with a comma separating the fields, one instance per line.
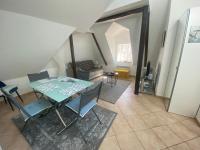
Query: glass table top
x=61, y=88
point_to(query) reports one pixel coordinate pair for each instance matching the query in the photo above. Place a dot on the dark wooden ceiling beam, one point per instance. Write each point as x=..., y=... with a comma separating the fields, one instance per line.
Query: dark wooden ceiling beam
x=72, y=55
x=99, y=48
x=123, y=14
x=146, y=42
x=144, y=39
x=141, y=49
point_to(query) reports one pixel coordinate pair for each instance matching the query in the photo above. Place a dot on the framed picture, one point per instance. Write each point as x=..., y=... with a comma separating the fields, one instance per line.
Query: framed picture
x=194, y=36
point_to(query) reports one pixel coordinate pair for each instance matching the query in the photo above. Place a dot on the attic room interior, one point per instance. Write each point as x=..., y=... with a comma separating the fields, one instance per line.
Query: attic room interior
x=99, y=74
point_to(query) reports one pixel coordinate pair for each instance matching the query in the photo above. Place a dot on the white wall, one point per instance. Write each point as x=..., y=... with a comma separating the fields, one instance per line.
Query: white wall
x=84, y=49
x=120, y=3
x=177, y=8
x=23, y=82
x=78, y=13
x=133, y=23
x=179, y=44
x=115, y=35
x=27, y=43
x=186, y=99
x=83, y=46
x=158, y=20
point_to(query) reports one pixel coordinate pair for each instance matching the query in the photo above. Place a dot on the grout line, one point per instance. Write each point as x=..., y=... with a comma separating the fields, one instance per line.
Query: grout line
x=139, y=115
x=118, y=142
x=183, y=142
x=139, y=141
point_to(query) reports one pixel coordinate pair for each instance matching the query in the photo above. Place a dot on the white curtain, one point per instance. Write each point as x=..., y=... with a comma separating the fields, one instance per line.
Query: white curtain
x=124, y=53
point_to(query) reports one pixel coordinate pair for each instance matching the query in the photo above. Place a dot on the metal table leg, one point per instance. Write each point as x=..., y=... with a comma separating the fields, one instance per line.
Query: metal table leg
x=59, y=116
x=64, y=124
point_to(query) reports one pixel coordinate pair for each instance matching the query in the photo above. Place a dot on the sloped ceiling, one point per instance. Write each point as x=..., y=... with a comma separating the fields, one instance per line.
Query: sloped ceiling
x=119, y=6
x=32, y=31
x=120, y=3
x=115, y=29
x=27, y=43
x=78, y=13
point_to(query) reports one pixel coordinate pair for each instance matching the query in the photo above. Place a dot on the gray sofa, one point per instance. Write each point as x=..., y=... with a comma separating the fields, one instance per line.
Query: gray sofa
x=86, y=70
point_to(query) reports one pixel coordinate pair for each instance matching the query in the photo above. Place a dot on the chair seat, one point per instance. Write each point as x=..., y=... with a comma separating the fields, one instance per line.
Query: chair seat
x=37, y=106
x=74, y=106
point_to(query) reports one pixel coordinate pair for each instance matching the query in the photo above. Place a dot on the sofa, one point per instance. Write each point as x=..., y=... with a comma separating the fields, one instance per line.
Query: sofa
x=85, y=70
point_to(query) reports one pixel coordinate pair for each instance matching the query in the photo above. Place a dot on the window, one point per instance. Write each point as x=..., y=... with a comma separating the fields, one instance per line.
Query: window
x=124, y=53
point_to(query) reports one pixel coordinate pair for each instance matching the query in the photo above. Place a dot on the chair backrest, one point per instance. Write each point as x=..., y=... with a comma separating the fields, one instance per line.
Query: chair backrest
x=15, y=103
x=2, y=84
x=90, y=95
x=38, y=76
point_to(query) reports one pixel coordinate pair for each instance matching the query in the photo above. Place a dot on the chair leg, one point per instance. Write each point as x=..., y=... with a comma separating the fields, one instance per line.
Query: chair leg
x=82, y=135
x=24, y=126
x=36, y=95
x=96, y=116
x=19, y=96
x=10, y=104
x=4, y=98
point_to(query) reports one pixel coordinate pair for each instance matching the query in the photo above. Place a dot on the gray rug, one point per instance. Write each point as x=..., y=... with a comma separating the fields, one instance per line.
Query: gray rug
x=41, y=133
x=112, y=94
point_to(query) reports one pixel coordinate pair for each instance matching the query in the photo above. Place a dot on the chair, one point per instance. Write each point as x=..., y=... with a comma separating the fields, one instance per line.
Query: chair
x=30, y=110
x=12, y=89
x=4, y=98
x=82, y=104
x=38, y=76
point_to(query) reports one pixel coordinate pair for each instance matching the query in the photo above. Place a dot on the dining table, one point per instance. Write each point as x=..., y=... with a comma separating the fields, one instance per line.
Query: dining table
x=60, y=90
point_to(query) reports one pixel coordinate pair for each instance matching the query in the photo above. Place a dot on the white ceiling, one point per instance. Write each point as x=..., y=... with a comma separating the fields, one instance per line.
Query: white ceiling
x=120, y=3
x=33, y=30
x=27, y=43
x=78, y=13
x=119, y=6
x=116, y=29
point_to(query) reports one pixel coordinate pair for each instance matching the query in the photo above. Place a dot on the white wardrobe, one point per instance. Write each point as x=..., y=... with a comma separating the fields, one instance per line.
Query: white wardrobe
x=185, y=66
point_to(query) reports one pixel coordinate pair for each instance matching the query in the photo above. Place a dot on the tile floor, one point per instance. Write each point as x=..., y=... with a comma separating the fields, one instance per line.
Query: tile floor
x=141, y=124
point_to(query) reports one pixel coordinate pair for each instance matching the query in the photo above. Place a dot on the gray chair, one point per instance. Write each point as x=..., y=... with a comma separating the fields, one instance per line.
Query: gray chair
x=4, y=98
x=85, y=103
x=12, y=89
x=30, y=110
x=38, y=76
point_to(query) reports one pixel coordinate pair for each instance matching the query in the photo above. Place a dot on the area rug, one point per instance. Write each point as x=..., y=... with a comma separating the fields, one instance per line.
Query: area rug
x=41, y=133
x=112, y=93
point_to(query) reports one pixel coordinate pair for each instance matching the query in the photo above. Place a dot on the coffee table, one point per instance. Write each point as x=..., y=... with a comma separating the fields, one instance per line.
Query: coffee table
x=112, y=77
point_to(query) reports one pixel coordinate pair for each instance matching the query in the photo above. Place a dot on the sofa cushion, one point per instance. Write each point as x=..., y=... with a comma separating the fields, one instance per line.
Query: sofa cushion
x=95, y=73
x=86, y=65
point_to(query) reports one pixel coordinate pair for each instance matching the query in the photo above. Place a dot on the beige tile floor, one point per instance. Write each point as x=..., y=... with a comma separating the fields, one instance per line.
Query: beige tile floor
x=141, y=124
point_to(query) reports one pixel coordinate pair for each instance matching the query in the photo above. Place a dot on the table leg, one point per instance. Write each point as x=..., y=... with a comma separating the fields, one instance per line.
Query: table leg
x=111, y=81
x=59, y=116
x=57, y=112
x=115, y=80
x=64, y=124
